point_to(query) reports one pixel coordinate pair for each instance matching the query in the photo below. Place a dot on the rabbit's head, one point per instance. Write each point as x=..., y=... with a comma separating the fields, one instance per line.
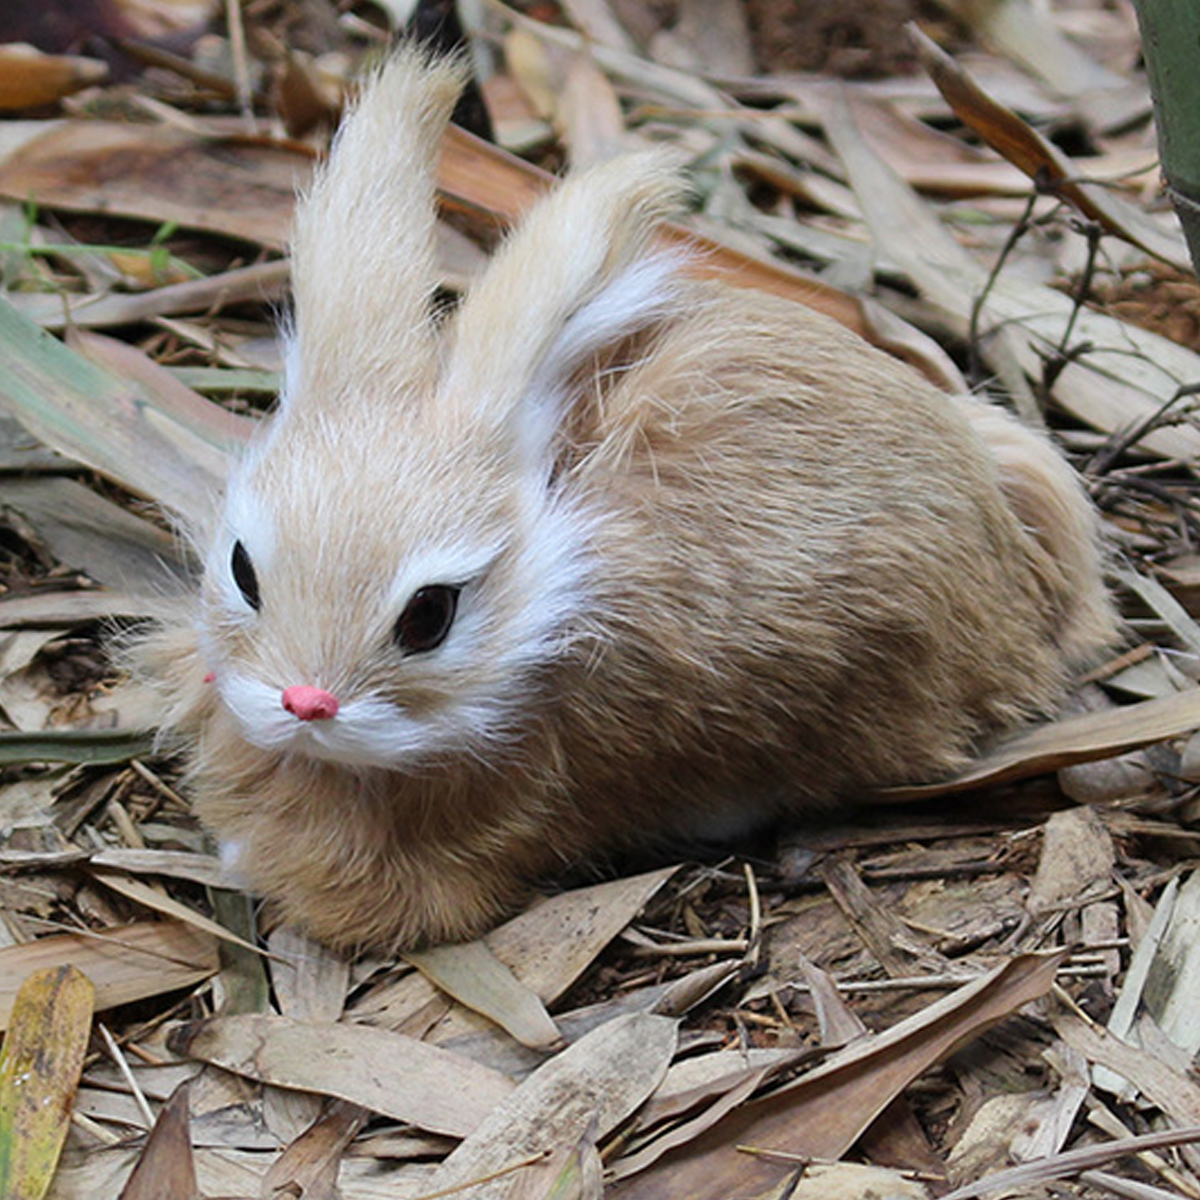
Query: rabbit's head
x=405, y=546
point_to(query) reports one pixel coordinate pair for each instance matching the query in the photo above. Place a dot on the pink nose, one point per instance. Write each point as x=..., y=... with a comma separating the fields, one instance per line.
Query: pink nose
x=310, y=703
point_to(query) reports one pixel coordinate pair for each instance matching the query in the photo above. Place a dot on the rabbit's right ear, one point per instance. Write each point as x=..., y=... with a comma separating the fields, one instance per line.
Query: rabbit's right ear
x=576, y=278
x=363, y=239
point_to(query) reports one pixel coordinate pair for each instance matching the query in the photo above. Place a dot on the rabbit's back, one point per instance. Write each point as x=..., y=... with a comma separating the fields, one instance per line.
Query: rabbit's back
x=811, y=582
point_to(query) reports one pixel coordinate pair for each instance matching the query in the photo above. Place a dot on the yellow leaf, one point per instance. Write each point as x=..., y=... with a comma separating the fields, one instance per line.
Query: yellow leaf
x=40, y=1066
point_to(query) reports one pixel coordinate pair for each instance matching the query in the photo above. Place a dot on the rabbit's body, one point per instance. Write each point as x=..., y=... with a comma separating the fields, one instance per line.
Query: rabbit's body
x=670, y=556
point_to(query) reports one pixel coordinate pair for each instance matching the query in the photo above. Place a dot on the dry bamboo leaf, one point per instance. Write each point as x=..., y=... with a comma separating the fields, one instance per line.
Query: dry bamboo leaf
x=30, y=79
x=102, y=419
x=90, y=533
x=169, y=399
x=1072, y=740
x=1045, y=165
x=309, y=979
x=309, y=1166
x=260, y=283
x=551, y=944
x=918, y=243
x=474, y=976
x=547, y=947
x=225, y=184
x=1026, y=32
x=585, y=1091
x=158, y=901
x=597, y=21
x=822, y=1113
x=385, y=1072
x=1123, y=376
x=571, y=1173
x=838, y=1023
x=165, y=1169
x=476, y=177
x=1172, y=980
x=1162, y=1084
x=910, y=344
x=1129, y=998
x=1077, y=860
x=175, y=864
x=61, y=609
x=126, y=963
x=589, y=113
x=40, y=1065
x=895, y=1138
x=1160, y=978
x=729, y=1094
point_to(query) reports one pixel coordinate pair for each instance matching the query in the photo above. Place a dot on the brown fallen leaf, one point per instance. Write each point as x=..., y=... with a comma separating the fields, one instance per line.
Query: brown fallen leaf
x=309, y=1166
x=895, y=1138
x=1043, y=162
x=584, y=1092
x=40, y=1065
x=822, y=1114
x=480, y=180
x=547, y=947
x=30, y=79
x=386, y=1072
x=129, y=962
x=219, y=181
x=165, y=1169
x=1162, y=1084
x=310, y=981
x=474, y=976
x=1072, y=740
x=1017, y=1180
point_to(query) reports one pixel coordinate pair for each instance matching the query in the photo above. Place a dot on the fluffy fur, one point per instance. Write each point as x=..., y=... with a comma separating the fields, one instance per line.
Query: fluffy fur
x=717, y=557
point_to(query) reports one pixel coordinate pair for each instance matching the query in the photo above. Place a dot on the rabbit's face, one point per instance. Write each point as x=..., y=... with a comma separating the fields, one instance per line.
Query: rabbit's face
x=381, y=592
x=404, y=552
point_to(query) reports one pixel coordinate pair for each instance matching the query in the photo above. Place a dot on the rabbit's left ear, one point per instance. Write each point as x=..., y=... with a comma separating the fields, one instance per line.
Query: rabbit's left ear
x=575, y=280
x=363, y=269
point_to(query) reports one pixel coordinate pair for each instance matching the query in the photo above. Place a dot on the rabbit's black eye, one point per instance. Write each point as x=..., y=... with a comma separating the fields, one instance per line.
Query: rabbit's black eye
x=244, y=576
x=426, y=618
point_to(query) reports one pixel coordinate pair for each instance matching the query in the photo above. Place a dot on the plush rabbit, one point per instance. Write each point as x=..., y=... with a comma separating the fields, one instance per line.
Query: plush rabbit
x=608, y=556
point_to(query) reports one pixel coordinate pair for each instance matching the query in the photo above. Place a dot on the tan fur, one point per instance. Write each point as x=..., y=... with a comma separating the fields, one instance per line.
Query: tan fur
x=805, y=573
